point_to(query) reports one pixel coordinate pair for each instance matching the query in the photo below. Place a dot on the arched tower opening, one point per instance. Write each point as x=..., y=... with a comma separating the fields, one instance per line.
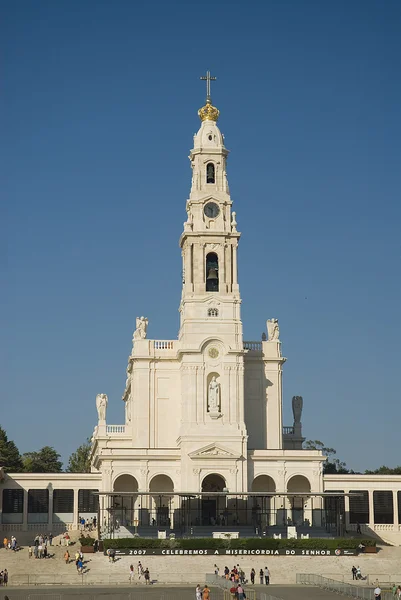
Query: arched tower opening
x=210, y=173
x=212, y=272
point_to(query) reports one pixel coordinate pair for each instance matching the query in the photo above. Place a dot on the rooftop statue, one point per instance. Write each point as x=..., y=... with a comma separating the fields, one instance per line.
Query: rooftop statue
x=141, y=328
x=273, y=330
x=101, y=405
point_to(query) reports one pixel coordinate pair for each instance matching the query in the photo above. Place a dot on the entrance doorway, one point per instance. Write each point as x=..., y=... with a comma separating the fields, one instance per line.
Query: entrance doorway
x=213, y=508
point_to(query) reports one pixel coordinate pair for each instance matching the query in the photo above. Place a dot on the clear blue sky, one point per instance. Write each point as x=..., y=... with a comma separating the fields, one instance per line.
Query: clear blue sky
x=99, y=104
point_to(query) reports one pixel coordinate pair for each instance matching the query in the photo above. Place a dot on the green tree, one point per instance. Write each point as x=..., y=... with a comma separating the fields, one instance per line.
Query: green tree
x=10, y=458
x=332, y=465
x=385, y=471
x=79, y=461
x=45, y=460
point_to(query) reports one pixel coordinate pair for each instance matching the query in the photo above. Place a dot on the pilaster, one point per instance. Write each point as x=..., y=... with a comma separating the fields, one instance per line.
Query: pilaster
x=371, y=509
x=346, y=509
x=50, y=511
x=25, y=512
x=75, y=510
x=395, y=506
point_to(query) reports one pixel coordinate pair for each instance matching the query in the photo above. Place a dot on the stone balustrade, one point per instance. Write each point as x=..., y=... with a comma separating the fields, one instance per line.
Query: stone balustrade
x=255, y=346
x=113, y=429
x=288, y=430
x=163, y=344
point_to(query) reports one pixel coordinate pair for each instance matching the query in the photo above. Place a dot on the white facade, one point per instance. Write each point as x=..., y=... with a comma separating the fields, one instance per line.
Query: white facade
x=208, y=402
x=202, y=412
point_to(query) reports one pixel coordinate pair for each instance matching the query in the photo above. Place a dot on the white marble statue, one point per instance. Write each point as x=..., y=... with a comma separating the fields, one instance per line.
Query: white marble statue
x=128, y=410
x=101, y=405
x=234, y=221
x=297, y=404
x=273, y=330
x=141, y=328
x=214, y=395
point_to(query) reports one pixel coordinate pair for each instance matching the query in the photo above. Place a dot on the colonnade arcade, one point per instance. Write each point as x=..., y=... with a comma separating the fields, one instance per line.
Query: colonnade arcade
x=213, y=507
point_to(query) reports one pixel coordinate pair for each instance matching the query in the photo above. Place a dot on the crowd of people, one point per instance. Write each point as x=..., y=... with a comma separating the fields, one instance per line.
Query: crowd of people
x=87, y=524
x=79, y=560
x=10, y=543
x=140, y=572
x=237, y=575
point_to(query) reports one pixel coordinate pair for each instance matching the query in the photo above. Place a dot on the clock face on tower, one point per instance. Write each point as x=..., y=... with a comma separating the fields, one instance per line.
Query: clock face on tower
x=211, y=210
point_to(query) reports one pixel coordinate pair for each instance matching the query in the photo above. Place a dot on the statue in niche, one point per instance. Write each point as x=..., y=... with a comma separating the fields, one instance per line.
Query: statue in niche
x=297, y=404
x=214, y=395
x=141, y=328
x=273, y=330
x=101, y=405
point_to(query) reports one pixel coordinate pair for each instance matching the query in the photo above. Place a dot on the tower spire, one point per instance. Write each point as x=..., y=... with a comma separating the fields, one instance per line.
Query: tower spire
x=208, y=79
x=208, y=112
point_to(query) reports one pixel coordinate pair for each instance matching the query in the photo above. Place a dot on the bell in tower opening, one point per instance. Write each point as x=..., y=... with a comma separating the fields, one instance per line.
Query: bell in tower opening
x=212, y=272
x=210, y=176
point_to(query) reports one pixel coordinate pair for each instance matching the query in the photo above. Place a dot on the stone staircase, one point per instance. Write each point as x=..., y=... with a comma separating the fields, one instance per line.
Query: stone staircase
x=204, y=531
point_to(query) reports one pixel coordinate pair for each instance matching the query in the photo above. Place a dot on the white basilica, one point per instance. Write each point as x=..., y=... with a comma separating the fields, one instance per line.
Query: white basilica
x=204, y=411
x=203, y=443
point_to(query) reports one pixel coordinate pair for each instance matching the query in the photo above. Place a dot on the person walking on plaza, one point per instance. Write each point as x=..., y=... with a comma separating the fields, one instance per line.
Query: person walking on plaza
x=5, y=577
x=206, y=593
x=198, y=592
x=29, y=551
x=378, y=593
x=140, y=569
x=131, y=573
x=353, y=572
x=267, y=576
x=253, y=573
x=240, y=592
x=261, y=576
x=147, y=576
x=67, y=557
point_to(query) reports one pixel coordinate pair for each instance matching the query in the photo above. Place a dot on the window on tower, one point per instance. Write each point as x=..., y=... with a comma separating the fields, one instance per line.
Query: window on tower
x=212, y=312
x=210, y=174
x=212, y=272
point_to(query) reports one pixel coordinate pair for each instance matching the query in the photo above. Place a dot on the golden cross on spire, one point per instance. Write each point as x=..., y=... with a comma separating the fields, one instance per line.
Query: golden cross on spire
x=208, y=79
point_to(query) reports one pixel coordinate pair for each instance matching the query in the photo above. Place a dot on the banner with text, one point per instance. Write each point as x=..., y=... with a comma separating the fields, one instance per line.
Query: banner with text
x=229, y=552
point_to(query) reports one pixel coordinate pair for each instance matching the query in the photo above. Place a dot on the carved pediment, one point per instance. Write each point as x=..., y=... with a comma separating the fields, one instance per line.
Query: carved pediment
x=213, y=451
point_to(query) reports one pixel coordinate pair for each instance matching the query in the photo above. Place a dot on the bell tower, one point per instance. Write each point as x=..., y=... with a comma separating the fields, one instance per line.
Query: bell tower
x=211, y=347
x=210, y=298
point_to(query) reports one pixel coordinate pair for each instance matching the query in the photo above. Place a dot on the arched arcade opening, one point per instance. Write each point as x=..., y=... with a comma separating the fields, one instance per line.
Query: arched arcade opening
x=263, y=507
x=213, y=507
x=162, y=501
x=299, y=505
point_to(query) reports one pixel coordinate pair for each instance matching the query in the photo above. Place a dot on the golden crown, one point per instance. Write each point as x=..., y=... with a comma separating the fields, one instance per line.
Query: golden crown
x=208, y=112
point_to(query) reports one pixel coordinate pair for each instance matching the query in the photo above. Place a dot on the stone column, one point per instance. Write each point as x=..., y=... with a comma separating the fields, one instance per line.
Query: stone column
x=395, y=505
x=50, y=509
x=346, y=508
x=25, y=512
x=371, y=510
x=235, y=272
x=75, y=511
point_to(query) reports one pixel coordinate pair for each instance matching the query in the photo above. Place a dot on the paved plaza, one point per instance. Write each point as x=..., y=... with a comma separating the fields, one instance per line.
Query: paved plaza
x=151, y=593
x=182, y=570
